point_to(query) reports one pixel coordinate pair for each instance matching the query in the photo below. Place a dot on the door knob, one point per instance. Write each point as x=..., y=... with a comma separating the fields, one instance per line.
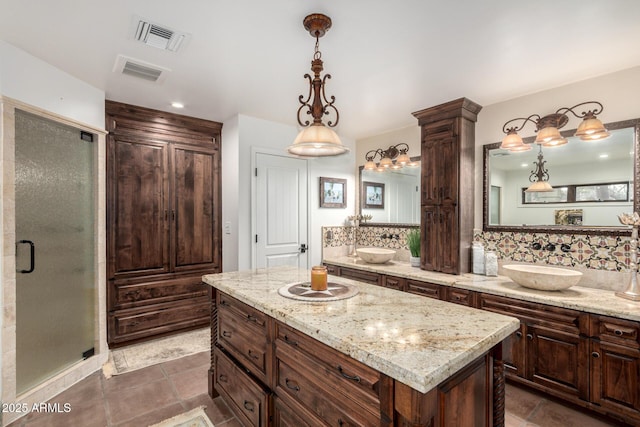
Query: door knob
x=303, y=248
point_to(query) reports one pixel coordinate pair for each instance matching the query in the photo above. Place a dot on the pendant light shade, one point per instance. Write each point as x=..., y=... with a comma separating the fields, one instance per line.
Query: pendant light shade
x=539, y=187
x=317, y=140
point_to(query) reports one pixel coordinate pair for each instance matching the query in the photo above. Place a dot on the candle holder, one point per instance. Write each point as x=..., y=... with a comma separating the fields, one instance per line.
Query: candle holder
x=633, y=291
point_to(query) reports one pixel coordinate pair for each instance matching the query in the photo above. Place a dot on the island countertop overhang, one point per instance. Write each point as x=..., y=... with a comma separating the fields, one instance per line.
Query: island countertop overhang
x=415, y=340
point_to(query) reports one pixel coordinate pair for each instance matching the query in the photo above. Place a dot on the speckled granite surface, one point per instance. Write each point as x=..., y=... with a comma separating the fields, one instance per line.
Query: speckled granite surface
x=417, y=341
x=578, y=298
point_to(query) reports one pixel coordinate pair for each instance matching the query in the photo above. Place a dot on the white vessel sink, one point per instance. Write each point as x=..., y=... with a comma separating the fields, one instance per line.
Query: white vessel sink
x=542, y=277
x=376, y=255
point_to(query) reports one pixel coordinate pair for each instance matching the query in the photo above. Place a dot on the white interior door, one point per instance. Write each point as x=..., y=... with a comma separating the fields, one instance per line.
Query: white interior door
x=281, y=211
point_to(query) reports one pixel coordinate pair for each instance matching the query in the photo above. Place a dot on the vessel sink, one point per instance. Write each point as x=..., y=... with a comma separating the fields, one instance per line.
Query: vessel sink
x=376, y=255
x=542, y=277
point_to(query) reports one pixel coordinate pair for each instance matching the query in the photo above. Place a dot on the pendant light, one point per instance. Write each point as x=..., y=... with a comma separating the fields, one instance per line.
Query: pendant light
x=539, y=177
x=317, y=139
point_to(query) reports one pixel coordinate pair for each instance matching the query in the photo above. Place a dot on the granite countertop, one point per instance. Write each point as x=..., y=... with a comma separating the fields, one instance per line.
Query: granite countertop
x=590, y=300
x=417, y=341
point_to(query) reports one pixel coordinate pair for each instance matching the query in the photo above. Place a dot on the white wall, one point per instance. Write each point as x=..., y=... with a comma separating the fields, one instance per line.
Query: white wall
x=33, y=81
x=244, y=133
x=616, y=91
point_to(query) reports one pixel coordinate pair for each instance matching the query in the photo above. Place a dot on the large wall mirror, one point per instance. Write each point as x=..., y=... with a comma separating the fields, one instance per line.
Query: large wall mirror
x=392, y=196
x=593, y=182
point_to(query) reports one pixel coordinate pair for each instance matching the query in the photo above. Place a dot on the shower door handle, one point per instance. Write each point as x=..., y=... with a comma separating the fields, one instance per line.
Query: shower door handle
x=32, y=264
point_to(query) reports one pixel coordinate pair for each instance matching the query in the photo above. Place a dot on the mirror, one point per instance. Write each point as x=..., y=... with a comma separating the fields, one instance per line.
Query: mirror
x=392, y=196
x=593, y=183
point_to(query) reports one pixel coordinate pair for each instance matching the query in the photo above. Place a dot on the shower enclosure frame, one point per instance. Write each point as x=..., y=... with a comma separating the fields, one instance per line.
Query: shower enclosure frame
x=82, y=369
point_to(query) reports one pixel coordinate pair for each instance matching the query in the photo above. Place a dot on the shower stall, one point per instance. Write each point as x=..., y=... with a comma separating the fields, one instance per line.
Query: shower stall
x=55, y=287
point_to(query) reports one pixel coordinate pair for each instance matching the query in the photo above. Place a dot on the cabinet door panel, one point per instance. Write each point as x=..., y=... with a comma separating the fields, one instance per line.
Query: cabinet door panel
x=429, y=179
x=193, y=204
x=139, y=238
x=615, y=373
x=448, y=236
x=429, y=238
x=558, y=360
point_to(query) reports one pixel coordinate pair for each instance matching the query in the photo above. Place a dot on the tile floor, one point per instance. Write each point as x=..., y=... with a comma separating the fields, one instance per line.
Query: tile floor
x=155, y=393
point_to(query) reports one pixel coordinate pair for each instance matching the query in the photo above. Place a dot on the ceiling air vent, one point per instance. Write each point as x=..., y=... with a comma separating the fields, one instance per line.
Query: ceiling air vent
x=159, y=36
x=140, y=69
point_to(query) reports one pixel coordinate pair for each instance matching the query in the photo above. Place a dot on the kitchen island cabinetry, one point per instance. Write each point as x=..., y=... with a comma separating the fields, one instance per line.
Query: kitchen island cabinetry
x=329, y=363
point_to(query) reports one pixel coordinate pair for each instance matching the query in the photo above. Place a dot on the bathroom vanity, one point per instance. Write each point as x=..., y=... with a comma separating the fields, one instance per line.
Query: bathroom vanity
x=379, y=358
x=580, y=344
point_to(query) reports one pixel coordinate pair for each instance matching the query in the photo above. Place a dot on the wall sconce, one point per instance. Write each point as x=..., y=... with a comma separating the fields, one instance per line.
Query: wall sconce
x=547, y=128
x=397, y=152
x=317, y=139
x=539, y=177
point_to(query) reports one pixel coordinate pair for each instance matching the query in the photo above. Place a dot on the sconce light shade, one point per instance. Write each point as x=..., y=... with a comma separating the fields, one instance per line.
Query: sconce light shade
x=370, y=165
x=386, y=162
x=317, y=140
x=591, y=129
x=550, y=136
x=512, y=140
x=403, y=159
x=520, y=148
x=539, y=187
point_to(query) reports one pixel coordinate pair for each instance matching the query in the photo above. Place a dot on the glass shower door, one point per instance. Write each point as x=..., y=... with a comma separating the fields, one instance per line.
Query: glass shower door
x=55, y=283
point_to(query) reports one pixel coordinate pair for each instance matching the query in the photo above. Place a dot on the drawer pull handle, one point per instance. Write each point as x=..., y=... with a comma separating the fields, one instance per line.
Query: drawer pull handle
x=251, y=318
x=290, y=384
x=290, y=341
x=618, y=332
x=226, y=334
x=340, y=422
x=249, y=406
x=254, y=355
x=519, y=334
x=530, y=337
x=595, y=354
x=222, y=378
x=225, y=303
x=349, y=377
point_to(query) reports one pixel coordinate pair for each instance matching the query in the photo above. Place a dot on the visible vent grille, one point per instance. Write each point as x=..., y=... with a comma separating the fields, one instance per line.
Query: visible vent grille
x=140, y=69
x=158, y=36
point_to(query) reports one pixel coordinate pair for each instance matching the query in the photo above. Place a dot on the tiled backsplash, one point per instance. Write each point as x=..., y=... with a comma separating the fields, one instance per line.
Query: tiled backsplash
x=598, y=252
x=608, y=253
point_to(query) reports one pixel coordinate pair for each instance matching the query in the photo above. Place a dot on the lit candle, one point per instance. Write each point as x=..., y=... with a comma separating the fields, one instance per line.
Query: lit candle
x=319, y=278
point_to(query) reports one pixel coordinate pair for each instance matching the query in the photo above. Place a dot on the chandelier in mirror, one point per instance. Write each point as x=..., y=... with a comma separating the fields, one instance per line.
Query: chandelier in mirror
x=548, y=127
x=317, y=139
x=539, y=177
x=394, y=157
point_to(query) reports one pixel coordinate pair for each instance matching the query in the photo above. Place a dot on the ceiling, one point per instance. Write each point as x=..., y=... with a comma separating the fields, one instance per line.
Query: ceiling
x=387, y=58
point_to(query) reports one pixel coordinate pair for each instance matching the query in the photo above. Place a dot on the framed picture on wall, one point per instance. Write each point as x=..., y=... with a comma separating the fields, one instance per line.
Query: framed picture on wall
x=333, y=193
x=372, y=195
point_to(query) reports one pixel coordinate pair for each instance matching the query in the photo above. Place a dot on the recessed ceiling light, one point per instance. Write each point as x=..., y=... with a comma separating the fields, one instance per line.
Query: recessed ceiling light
x=604, y=156
x=524, y=165
x=177, y=105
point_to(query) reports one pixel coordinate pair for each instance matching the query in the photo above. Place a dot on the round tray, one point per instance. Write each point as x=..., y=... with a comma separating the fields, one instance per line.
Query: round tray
x=302, y=291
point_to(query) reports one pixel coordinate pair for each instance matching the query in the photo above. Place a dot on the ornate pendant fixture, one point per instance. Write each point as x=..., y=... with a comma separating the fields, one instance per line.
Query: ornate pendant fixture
x=317, y=139
x=539, y=177
x=547, y=127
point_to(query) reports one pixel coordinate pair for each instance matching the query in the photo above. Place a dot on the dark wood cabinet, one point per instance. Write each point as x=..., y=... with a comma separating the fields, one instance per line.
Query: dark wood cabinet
x=425, y=289
x=392, y=282
x=447, y=154
x=163, y=220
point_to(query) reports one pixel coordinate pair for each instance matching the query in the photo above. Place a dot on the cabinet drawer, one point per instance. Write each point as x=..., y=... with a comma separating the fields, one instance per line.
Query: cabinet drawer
x=333, y=269
x=243, y=341
x=425, y=289
x=285, y=415
x=617, y=331
x=551, y=317
x=461, y=296
x=302, y=386
x=397, y=283
x=362, y=276
x=327, y=366
x=127, y=295
x=245, y=397
x=136, y=323
x=225, y=304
